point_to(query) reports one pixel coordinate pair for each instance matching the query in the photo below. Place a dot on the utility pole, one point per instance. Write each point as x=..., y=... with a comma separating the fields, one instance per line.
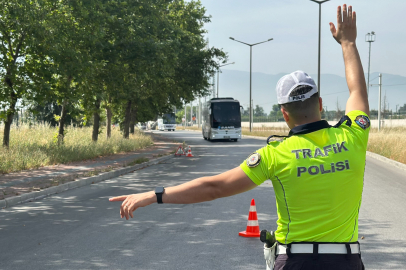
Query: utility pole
x=185, y=115
x=370, y=37
x=379, y=105
x=319, y=53
x=252, y=113
x=191, y=113
x=214, y=87
x=397, y=110
x=200, y=113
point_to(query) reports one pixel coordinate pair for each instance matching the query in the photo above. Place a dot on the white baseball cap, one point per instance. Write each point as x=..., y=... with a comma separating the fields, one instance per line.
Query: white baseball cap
x=287, y=83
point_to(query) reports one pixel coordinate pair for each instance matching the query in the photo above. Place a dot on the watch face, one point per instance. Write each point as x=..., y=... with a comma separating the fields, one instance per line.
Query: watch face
x=159, y=190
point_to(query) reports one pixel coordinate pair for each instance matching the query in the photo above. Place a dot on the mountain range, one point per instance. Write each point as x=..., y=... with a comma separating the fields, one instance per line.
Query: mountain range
x=334, y=90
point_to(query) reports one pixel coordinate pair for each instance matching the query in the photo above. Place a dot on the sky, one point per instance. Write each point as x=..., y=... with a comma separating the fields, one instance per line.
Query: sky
x=293, y=24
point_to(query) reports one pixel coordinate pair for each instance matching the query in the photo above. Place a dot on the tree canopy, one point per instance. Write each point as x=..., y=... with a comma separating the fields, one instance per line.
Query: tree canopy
x=134, y=59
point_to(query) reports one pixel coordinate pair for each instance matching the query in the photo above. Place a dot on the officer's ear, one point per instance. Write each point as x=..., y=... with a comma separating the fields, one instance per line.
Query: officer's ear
x=285, y=114
x=320, y=104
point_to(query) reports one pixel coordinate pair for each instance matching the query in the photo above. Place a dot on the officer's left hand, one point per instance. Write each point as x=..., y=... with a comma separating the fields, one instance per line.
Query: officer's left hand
x=133, y=201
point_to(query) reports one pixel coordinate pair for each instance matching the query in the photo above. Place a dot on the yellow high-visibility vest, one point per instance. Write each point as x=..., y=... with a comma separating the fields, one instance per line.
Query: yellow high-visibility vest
x=317, y=175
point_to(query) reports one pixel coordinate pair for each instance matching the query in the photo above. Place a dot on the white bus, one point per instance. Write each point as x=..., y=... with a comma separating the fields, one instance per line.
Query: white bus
x=167, y=122
x=222, y=119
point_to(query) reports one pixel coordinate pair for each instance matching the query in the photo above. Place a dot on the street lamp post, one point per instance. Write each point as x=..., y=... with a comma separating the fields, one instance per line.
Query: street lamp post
x=218, y=75
x=251, y=45
x=370, y=37
x=318, y=67
x=397, y=111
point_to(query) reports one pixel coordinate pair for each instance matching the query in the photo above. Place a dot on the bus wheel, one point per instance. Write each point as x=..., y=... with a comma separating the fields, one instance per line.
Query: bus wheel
x=234, y=140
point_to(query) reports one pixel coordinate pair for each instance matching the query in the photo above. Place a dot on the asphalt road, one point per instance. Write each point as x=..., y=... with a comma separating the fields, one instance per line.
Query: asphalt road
x=81, y=229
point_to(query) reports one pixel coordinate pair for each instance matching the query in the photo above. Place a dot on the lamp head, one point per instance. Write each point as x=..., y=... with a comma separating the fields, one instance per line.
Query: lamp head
x=320, y=1
x=270, y=39
x=232, y=38
x=370, y=37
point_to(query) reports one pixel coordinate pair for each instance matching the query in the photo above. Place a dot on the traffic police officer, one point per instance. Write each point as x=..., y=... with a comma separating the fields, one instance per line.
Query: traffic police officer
x=317, y=170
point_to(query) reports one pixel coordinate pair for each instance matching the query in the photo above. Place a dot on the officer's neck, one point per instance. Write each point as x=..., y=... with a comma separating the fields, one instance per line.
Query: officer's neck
x=305, y=120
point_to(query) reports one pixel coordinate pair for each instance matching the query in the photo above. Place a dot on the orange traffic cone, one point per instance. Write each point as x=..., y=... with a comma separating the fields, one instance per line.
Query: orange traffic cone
x=252, y=225
x=180, y=151
x=189, y=152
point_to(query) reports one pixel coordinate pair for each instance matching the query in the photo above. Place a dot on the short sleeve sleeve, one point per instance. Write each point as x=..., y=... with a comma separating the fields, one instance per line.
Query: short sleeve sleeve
x=360, y=125
x=257, y=165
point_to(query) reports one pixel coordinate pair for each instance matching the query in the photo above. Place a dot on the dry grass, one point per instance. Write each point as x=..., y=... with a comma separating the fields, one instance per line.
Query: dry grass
x=36, y=147
x=189, y=127
x=389, y=142
x=265, y=131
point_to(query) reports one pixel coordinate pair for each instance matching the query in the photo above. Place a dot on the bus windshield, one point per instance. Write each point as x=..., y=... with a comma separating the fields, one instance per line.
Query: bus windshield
x=226, y=114
x=169, y=118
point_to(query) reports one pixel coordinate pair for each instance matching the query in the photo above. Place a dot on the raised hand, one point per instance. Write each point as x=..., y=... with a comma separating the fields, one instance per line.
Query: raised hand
x=346, y=31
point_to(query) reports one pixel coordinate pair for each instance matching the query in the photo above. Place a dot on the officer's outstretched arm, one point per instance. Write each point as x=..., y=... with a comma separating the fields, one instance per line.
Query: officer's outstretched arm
x=346, y=34
x=202, y=189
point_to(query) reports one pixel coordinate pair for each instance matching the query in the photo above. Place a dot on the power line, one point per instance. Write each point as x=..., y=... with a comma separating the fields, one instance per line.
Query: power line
x=374, y=78
x=388, y=84
x=393, y=84
x=335, y=93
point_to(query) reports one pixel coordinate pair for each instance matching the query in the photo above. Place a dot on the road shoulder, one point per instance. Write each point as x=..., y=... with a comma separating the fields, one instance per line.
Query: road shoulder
x=35, y=184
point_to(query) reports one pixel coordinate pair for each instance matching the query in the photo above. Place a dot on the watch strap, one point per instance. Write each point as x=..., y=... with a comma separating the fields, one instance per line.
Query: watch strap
x=159, y=198
x=159, y=191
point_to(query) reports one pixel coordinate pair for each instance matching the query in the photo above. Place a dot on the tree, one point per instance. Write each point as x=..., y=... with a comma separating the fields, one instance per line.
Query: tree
x=276, y=108
x=22, y=31
x=135, y=59
x=70, y=53
x=402, y=109
x=276, y=113
x=259, y=111
x=246, y=111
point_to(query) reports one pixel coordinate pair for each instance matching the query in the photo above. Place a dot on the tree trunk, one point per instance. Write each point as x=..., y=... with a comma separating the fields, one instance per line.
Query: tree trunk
x=10, y=113
x=127, y=120
x=132, y=127
x=133, y=119
x=96, y=121
x=62, y=122
x=7, y=125
x=108, y=124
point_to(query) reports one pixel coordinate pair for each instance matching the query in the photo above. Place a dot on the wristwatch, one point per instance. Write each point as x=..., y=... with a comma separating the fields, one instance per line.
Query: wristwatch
x=159, y=191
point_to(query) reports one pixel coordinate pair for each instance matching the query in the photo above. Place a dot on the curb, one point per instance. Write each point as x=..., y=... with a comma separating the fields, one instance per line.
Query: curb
x=255, y=137
x=387, y=160
x=8, y=202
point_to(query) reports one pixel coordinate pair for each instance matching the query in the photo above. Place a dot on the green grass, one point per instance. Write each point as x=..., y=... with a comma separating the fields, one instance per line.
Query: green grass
x=34, y=147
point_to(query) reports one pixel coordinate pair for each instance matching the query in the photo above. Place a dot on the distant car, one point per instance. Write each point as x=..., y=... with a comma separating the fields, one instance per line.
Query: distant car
x=142, y=127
